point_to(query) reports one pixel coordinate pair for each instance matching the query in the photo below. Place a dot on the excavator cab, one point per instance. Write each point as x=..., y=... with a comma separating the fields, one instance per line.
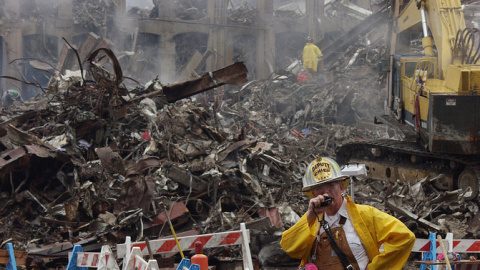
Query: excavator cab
x=445, y=118
x=409, y=95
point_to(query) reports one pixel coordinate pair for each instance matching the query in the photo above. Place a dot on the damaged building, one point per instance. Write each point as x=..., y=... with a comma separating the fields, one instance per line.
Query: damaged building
x=172, y=39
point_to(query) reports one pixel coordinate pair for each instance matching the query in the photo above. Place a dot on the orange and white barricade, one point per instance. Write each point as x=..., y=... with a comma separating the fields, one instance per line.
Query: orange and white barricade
x=431, y=247
x=212, y=240
x=455, y=245
x=105, y=260
x=136, y=261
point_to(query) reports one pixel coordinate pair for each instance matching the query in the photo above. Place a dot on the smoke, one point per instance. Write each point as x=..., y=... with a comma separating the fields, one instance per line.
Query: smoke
x=145, y=55
x=144, y=4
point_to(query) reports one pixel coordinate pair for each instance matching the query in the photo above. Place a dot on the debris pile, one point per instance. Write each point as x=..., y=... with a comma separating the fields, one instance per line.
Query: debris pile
x=184, y=9
x=191, y=10
x=93, y=161
x=93, y=14
x=244, y=14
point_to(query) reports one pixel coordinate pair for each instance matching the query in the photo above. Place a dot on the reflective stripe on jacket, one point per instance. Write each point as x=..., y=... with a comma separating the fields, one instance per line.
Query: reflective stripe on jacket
x=374, y=228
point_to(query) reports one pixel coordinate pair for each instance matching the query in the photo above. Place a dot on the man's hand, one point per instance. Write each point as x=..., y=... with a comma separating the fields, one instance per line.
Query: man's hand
x=314, y=207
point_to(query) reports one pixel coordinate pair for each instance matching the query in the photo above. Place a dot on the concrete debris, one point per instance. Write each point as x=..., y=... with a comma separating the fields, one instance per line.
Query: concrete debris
x=92, y=14
x=243, y=14
x=184, y=9
x=93, y=161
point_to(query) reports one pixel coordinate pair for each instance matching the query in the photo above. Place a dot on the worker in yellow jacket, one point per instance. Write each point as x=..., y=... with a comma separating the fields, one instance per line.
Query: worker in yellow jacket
x=357, y=230
x=310, y=57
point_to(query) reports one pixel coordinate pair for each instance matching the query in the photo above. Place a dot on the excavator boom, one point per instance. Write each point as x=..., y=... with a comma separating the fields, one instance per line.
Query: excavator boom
x=434, y=90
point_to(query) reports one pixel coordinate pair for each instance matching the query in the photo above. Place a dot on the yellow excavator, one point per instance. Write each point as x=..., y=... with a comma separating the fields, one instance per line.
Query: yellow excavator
x=433, y=101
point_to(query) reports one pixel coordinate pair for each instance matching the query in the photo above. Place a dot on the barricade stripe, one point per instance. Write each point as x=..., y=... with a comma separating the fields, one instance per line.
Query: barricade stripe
x=142, y=246
x=215, y=241
x=426, y=247
x=167, y=246
x=455, y=243
x=421, y=245
x=459, y=245
x=474, y=247
x=140, y=263
x=231, y=238
x=186, y=242
x=95, y=259
x=462, y=245
x=84, y=259
x=203, y=239
x=106, y=257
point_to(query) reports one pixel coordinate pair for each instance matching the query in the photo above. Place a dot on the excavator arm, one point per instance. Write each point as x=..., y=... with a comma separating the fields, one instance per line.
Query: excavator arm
x=442, y=24
x=433, y=99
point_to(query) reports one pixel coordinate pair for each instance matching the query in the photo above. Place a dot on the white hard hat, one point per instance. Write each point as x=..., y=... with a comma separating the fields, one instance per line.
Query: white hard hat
x=320, y=171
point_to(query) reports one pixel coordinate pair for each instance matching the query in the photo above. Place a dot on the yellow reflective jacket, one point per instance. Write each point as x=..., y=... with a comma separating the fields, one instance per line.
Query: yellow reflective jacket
x=374, y=228
x=311, y=54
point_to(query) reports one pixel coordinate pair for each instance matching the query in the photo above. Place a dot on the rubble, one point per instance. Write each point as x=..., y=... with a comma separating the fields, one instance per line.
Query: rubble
x=93, y=14
x=93, y=161
x=243, y=14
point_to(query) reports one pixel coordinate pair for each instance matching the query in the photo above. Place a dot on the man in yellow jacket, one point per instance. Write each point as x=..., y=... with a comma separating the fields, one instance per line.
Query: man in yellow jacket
x=358, y=230
x=310, y=57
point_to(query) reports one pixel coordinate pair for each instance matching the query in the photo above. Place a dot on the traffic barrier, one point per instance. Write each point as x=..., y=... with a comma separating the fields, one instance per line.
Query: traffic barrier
x=107, y=259
x=159, y=246
x=10, y=258
x=136, y=261
x=72, y=262
x=457, y=245
x=186, y=264
x=79, y=260
x=431, y=247
x=431, y=255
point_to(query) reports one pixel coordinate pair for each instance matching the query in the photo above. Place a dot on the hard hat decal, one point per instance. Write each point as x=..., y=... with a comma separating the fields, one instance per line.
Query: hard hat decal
x=321, y=170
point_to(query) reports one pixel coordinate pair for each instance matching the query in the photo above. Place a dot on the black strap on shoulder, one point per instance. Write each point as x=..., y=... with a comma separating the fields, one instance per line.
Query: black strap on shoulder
x=343, y=220
x=335, y=247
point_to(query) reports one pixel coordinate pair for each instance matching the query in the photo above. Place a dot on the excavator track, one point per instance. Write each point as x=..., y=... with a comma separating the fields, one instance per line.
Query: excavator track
x=393, y=160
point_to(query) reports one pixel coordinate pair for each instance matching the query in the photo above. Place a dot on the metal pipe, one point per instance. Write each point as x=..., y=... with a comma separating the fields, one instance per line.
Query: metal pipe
x=424, y=20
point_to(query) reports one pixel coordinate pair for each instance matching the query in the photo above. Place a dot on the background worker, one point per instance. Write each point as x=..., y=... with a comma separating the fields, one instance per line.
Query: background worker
x=357, y=231
x=310, y=57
